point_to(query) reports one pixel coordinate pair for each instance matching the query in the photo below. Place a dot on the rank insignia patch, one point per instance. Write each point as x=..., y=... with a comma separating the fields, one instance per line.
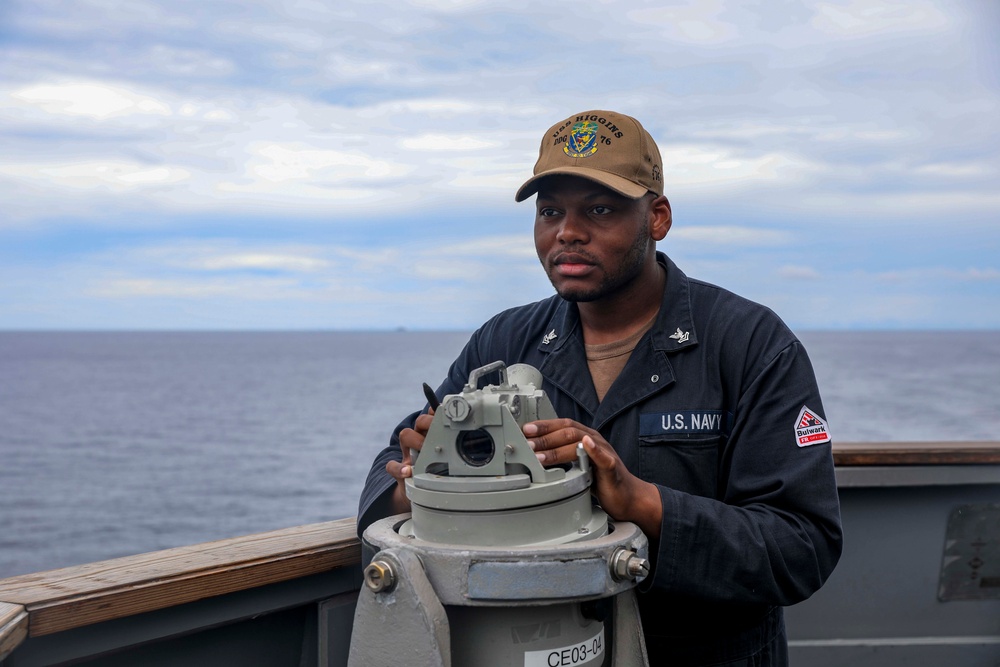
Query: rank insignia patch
x=810, y=428
x=582, y=139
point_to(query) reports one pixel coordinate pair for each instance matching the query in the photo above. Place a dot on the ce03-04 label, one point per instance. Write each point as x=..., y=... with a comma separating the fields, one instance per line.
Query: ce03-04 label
x=581, y=653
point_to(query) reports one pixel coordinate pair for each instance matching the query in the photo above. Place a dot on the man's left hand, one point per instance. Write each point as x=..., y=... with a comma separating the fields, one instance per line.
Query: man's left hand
x=623, y=496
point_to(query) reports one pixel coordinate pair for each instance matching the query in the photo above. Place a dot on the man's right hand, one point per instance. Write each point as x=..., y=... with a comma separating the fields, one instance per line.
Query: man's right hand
x=410, y=440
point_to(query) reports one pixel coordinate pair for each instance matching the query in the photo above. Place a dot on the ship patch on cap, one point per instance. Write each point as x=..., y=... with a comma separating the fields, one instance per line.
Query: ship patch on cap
x=582, y=139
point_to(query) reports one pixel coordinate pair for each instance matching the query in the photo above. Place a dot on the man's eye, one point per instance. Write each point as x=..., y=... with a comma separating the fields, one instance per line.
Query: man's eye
x=601, y=210
x=546, y=212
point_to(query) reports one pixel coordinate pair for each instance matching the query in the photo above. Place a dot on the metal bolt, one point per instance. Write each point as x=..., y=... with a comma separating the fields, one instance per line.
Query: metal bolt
x=379, y=577
x=638, y=567
x=627, y=564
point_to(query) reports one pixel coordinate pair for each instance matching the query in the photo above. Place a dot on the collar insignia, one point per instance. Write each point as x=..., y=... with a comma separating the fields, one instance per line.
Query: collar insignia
x=549, y=337
x=680, y=336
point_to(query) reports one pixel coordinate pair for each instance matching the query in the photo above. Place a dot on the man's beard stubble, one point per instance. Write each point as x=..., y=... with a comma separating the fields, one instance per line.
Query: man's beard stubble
x=627, y=271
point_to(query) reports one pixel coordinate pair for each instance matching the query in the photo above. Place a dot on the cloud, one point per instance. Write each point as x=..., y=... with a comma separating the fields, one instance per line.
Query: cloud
x=217, y=152
x=899, y=206
x=798, y=273
x=278, y=163
x=262, y=261
x=90, y=99
x=402, y=130
x=98, y=114
x=489, y=258
x=938, y=273
x=442, y=142
x=957, y=170
x=728, y=235
x=700, y=23
x=231, y=256
x=308, y=268
x=857, y=19
x=116, y=288
x=99, y=175
x=212, y=255
x=449, y=5
x=514, y=246
x=981, y=274
x=707, y=167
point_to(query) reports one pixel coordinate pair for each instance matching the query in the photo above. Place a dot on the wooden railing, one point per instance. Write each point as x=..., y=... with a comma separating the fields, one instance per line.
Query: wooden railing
x=915, y=453
x=57, y=600
x=13, y=627
x=39, y=604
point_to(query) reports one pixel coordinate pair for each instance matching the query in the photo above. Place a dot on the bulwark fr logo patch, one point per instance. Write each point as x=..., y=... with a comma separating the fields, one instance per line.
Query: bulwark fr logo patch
x=810, y=428
x=582, y=139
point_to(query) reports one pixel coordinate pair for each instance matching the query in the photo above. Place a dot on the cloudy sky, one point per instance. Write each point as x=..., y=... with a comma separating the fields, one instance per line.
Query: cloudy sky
x=338, y=164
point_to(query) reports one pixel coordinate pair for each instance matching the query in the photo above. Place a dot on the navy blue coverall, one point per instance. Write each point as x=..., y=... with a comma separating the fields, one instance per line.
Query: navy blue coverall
x=708, y=408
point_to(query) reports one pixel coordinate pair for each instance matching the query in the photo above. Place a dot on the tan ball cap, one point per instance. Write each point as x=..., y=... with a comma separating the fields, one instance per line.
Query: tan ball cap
x=604, y=146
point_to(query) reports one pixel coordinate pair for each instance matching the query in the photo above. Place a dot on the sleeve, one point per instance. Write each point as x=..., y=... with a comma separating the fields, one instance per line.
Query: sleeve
x=374, y=502
x=774, y=535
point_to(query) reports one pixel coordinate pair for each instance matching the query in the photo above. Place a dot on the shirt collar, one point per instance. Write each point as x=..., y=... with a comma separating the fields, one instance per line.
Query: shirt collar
x=674, y=329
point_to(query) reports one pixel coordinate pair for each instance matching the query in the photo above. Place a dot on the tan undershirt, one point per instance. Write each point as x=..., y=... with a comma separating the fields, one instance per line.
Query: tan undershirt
x=607, y=360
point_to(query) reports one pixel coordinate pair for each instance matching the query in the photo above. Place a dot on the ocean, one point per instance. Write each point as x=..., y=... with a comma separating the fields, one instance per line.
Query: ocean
x=115, y=443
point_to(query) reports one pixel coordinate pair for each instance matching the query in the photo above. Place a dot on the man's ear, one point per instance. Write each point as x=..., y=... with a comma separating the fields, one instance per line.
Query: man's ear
x=660, y=218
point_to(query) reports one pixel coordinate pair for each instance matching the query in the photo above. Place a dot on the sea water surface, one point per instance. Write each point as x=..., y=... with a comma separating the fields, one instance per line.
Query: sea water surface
x=115, y=443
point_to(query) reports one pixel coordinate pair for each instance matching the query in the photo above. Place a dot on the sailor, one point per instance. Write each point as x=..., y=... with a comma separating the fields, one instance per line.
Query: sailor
x=699, y=409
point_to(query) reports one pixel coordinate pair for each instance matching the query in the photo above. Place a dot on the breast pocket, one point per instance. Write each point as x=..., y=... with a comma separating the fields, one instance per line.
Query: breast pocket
x=689, y=464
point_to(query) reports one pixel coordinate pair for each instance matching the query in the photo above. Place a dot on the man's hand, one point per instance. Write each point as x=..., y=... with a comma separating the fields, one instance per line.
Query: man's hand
x=410, y=440
x=623, y=496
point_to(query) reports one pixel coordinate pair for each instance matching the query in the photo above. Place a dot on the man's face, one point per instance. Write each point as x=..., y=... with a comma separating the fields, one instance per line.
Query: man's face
x=591, y=241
